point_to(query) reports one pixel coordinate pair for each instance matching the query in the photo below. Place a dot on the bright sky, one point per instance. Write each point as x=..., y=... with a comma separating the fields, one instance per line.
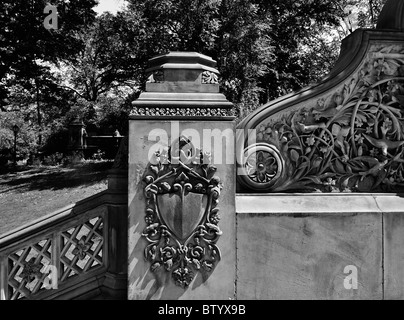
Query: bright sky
x=109, y=5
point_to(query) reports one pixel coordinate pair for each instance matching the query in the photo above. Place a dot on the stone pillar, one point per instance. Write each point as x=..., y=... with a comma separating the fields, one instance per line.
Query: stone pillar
x=182, y=184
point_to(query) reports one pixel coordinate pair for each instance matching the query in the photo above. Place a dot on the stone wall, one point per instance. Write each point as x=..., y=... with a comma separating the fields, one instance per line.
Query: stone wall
x=298, y=246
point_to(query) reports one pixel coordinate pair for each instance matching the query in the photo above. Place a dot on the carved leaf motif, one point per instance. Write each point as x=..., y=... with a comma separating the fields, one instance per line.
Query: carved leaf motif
x=165, y=186
x=207, y=265
x=294, y=156
x=155, y=267
x=209, y=78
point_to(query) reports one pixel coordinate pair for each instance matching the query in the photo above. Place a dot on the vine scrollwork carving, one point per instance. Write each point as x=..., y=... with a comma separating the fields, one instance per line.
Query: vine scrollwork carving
x=349, y=141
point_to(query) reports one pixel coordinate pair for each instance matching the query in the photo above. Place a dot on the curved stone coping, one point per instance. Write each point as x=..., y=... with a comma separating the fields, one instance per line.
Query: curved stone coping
x=392, y=16
x=354, y=50
x=318, y=203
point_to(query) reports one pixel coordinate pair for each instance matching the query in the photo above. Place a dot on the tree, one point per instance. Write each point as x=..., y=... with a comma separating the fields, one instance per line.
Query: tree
x=103, y=63
x=26, y=44
x=25, y=138
x=91, y=67
x=358, y=14
x=104, y=74
x=257, y=43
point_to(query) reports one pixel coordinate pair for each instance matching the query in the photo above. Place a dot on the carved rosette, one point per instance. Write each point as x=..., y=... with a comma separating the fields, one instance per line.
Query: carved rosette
x=31, y=270
x=351, y=140
x=263, y=165
x=82, y=247
x=182, y=195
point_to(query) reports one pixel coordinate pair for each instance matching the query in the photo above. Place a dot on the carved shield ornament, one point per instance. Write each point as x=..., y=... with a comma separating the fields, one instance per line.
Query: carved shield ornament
x=182, y=194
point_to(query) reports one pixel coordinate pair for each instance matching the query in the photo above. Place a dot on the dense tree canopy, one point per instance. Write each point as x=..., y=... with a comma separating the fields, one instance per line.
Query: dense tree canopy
x=25, y=48
x=92, y=67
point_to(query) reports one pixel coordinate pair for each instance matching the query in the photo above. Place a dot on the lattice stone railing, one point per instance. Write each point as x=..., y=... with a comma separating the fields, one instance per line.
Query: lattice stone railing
x=79, y=252
x=61, y=255
x=68, y=254
x=345, y=134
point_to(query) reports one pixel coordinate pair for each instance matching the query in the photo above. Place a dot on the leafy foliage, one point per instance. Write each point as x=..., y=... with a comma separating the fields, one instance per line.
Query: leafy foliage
x=93, y=67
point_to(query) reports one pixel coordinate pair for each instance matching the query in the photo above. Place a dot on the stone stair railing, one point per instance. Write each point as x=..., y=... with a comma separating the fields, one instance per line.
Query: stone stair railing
x=78, y=252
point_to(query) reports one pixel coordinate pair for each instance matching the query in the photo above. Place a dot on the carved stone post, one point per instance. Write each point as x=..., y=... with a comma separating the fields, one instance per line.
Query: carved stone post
x=182, y=184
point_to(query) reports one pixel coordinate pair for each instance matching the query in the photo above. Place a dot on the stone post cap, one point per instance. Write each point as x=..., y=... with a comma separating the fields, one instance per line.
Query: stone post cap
x=177, y=58
x=182, y=84
x=182, y=72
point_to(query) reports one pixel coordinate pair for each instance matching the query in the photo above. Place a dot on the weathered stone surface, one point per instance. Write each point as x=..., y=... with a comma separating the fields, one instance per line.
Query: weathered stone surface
x=143, y=283
x=303, y=255
x=394, y=255
x=307, y=203
x=390, y=203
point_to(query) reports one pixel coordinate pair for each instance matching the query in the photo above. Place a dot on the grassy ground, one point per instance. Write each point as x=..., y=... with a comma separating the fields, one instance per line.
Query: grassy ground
x=29, y=193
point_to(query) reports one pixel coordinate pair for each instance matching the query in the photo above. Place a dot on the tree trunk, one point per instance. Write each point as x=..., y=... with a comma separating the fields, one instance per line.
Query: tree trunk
x=38, y=110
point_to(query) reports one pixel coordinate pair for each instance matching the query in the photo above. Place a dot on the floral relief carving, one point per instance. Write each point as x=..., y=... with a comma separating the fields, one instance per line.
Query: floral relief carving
x=182, y=194
x=349, y=141
x=82, y=247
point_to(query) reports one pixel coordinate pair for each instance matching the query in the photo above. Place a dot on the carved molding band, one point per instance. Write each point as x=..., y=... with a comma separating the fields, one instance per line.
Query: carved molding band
x=182, y=217
x=184, y=112
x=351, y=140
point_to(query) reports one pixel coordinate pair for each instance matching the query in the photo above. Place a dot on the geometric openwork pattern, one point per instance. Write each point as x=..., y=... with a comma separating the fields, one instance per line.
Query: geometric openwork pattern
x=81, y=248
x=27, y=269
x=59, y=255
